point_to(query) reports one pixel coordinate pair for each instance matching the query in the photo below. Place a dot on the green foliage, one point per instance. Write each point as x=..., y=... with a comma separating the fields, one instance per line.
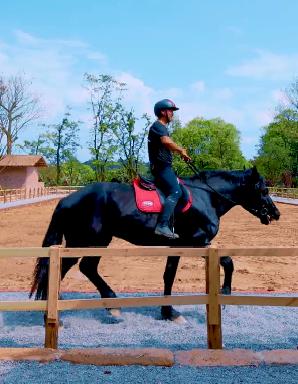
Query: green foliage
x=212, y=144
x=278, y=152
x=62, y=142
x=130, y=142
x=76, y=173
x=48, y=175
x=72, y=173
x=105, y=105
x=35, y=147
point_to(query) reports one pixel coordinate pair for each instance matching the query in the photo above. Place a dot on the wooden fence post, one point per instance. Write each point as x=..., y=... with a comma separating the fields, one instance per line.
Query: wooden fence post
x=214, y=333
x=52, y=316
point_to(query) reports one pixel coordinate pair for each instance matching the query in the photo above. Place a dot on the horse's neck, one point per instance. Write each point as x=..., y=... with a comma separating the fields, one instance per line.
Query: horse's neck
x=227, y=185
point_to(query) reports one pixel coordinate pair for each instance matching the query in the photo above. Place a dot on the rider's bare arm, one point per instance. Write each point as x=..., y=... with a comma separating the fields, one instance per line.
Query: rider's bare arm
x=172, y=146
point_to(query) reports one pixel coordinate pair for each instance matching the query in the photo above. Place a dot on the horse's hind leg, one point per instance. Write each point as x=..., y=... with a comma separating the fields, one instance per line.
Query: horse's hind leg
x=227, y=263
x=88, y=266
x=167, y=311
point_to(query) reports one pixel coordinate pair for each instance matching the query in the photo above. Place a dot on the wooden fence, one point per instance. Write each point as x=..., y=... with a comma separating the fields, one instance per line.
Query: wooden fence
x=9, y=195
x=212, y=299
x=290, y=193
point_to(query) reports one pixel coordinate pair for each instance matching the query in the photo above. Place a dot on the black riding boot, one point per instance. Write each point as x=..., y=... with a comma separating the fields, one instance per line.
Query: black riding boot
x=162, y=227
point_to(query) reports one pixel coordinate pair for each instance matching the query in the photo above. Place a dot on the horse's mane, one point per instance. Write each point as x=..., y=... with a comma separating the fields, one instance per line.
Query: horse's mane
x=226, y=175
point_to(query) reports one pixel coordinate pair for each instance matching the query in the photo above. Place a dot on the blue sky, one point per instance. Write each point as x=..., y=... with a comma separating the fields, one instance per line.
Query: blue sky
x=228, y=59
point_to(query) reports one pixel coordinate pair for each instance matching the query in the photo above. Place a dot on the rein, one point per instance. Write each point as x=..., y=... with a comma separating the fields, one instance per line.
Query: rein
x=197, y=173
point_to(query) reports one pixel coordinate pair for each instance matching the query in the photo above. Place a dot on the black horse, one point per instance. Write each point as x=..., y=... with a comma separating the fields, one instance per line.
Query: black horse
x=91, y=216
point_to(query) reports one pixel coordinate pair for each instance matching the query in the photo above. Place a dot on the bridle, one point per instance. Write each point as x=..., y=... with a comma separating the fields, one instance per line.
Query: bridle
x=262, y=211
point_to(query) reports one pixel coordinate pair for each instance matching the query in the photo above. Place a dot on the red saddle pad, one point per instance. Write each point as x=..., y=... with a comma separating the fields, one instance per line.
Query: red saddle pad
x=147, y=201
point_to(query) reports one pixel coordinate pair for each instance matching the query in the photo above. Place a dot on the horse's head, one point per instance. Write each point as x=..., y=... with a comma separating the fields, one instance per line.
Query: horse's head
x=256, y=197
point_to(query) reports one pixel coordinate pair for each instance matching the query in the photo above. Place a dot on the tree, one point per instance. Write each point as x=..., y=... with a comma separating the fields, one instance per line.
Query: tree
x=76, y=173
x=2, y=145
x=35, y=147
x=292, y=96
x=57, y=144
x=18, y=108
x=130, y=143
x=278, y=149
x=64, y=140
x=105, y=101
x=212, y=144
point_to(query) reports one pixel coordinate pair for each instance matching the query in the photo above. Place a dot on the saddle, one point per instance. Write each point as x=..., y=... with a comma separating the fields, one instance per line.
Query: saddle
x=150, y=199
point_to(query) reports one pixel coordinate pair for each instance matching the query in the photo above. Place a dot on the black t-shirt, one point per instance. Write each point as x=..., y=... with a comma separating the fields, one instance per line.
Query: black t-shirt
x=158, y=153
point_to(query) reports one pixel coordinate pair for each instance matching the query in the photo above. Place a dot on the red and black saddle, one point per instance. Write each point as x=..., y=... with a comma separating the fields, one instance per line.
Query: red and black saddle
x=150, y=199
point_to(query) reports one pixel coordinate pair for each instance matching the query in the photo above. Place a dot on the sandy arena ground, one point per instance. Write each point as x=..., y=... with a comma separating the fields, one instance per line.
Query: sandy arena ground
x=26, y=226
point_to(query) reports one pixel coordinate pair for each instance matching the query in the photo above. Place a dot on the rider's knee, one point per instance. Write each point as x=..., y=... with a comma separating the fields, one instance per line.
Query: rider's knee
x=177, y=193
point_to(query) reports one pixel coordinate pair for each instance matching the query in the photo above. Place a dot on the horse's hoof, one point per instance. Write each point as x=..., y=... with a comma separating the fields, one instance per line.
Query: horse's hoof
x=180, y=320
x=225, y=290
x=169, y=313
x=115, y=312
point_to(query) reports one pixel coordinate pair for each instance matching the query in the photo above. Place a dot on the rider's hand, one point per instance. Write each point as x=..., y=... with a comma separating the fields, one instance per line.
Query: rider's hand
x=184, y=155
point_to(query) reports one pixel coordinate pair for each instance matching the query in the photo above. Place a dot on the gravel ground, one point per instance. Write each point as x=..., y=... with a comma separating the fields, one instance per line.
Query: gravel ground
x=52, y=373
x=249, y=327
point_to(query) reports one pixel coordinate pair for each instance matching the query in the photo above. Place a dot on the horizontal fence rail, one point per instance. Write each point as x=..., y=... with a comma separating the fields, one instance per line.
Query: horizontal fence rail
x=9, y=195
x=290, y=193
x=212, y=299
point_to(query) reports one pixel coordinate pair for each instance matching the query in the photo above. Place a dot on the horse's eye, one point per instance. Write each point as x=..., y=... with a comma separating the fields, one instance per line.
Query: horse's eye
x=265, y=191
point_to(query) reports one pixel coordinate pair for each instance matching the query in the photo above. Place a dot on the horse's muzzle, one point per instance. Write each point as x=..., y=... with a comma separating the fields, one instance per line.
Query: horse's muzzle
x=267, y=215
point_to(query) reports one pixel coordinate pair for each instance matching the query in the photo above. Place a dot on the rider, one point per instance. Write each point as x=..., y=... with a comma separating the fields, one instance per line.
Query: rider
x=160, y=146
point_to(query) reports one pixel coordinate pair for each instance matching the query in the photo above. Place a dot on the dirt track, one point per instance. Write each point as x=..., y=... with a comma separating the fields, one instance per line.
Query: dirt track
x=26, y=226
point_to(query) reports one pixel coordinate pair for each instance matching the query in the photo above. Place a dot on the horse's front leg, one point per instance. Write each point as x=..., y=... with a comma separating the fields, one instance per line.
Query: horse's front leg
x=227, y=263
x=167, y=311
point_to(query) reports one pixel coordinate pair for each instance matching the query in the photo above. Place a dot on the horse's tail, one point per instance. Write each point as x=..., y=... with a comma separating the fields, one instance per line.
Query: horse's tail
x=53, y=236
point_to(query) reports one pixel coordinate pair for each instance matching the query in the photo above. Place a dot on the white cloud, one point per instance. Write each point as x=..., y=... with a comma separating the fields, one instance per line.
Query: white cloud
x=250, y=140
x=223, y=93
x=54, y=67
x=263, y=117
x=25, y=38
x=210, y=109
x=279, y=96
x=198, y=86
x=138, y=94
x=97, y=56
x=267, y=65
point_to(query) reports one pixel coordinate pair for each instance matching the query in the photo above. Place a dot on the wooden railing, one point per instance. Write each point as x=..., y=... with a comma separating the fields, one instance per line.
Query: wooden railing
x=212, y=299
x=9, y=195
x=290, y=193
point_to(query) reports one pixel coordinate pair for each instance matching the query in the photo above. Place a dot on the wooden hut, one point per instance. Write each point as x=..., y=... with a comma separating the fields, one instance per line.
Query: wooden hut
x=21, y=171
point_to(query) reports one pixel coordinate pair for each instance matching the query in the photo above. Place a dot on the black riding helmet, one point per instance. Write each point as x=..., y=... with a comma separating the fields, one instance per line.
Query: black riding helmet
x=164, y=104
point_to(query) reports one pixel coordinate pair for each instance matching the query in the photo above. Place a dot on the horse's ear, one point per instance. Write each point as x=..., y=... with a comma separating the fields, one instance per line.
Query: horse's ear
x=254, y=173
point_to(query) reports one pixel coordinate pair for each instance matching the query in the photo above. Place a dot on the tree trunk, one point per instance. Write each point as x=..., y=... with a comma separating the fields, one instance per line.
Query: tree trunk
x=9, y=145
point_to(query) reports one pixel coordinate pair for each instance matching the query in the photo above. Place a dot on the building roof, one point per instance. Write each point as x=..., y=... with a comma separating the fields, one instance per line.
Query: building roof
x=22, y=161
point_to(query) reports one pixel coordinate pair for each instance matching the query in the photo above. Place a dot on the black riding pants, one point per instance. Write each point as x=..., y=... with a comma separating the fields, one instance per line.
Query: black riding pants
x=167, y=182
